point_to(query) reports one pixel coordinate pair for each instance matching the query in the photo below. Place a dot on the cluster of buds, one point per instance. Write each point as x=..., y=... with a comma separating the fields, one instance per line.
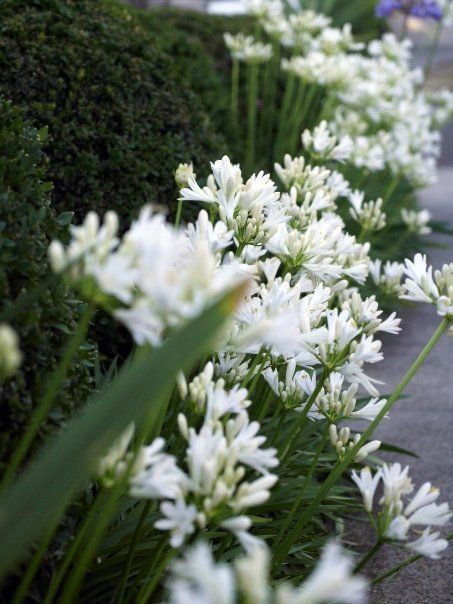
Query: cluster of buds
x=417, y=222
x=340, y=440
x=368, y=214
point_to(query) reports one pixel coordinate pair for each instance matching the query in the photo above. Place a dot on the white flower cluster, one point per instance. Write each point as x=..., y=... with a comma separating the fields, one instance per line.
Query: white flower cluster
x=323, y=146
x=300, y=309
x=396, y=516
x=368, y=214
x=417, y=222
x=388, y=276
x=421, y=286
x=154, y=277
x=298, y=319
x=247, y=49
x=378, y=99
x=208, y=488
x=196, y=577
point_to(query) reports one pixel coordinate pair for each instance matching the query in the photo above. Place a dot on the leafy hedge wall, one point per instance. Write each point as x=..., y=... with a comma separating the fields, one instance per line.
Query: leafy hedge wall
x=120, y=117
x=26, y=224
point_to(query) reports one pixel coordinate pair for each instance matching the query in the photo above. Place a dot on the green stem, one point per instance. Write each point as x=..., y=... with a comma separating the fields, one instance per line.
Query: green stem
x=433, y=49
x=307, y=481
x=178, y=213
x=300, y=121
x=281, y=421
x=391, y=189
x=340, y=467
x=265, y=407
x=130, y=555
x=362, y=234
x=398, y=567
x=86, y=556
x=48, y=398
x=148, y=588
x=256, y=361
x=283, y=117
x=270, y=93
x=145, y=572
x=253, y=73
x=33, y=566
x=80, y=536
x=302, y=416
x=235, y=93
x=403, y=32
x=368, y=556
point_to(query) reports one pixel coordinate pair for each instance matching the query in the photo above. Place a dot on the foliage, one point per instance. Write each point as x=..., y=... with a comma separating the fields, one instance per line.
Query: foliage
x=64, y=467
x=120, y=118
x=27, y=223
x=360, y=13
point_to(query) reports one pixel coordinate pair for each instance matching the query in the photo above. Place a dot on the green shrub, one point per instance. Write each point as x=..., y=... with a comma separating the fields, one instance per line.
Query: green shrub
x=120, y=117
x=27, y=222
x=195, y=42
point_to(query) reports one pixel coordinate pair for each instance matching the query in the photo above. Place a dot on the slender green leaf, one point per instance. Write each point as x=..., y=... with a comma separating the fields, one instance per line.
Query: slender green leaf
x=139, y=392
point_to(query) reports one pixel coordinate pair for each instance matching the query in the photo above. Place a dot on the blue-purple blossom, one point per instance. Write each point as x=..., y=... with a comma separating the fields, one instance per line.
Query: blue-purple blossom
x=421, y=9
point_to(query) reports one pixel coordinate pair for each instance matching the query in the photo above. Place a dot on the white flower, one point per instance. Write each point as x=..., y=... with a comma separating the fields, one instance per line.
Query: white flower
x=247, y=49
x=295, y=387
x=114, y=462
x=159, y=476
x=331, y=581
x=254, y=493
x=387, y=276
x=367, y=485
x=183, y=173
x=370, y=410
x=216, y=236
x=245, y=444
x=431, y=514
x=428, y=544
x=364, y=451
x=323, y=145
x=178, y=518
x=396, y=483
x=239, y=526
x=10, y=355
x=369, y=214
x=417, y=222
x=425, y=495
x=419, y=285
x=196, y=578
x=398, y=528
x=253, y=575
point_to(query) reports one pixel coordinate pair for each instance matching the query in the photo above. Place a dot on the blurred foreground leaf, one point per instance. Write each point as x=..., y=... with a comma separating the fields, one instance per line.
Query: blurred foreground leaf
x=139, y=392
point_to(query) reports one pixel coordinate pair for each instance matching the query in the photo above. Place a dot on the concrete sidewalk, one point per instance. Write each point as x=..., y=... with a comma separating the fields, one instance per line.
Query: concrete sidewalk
x=422, y=423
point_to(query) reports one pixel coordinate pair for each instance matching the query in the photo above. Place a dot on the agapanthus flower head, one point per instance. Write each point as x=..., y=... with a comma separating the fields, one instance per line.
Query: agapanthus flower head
x=398, y=514
x=422, y=286
x=247, y=49
x=420, y=9
x=417, y=222
x=196, y=577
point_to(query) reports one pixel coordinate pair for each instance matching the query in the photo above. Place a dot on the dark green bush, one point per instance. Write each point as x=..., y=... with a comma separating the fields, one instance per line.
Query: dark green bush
x=195, y=42
x=120, y=117
x=27, y=222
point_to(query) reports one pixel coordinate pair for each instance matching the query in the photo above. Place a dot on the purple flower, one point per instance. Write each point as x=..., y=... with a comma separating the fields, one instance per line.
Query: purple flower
x=421, y=9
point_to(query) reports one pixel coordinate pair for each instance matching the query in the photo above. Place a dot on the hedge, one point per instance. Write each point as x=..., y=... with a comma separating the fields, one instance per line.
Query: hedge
x=27, y=222
x=120, y=116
